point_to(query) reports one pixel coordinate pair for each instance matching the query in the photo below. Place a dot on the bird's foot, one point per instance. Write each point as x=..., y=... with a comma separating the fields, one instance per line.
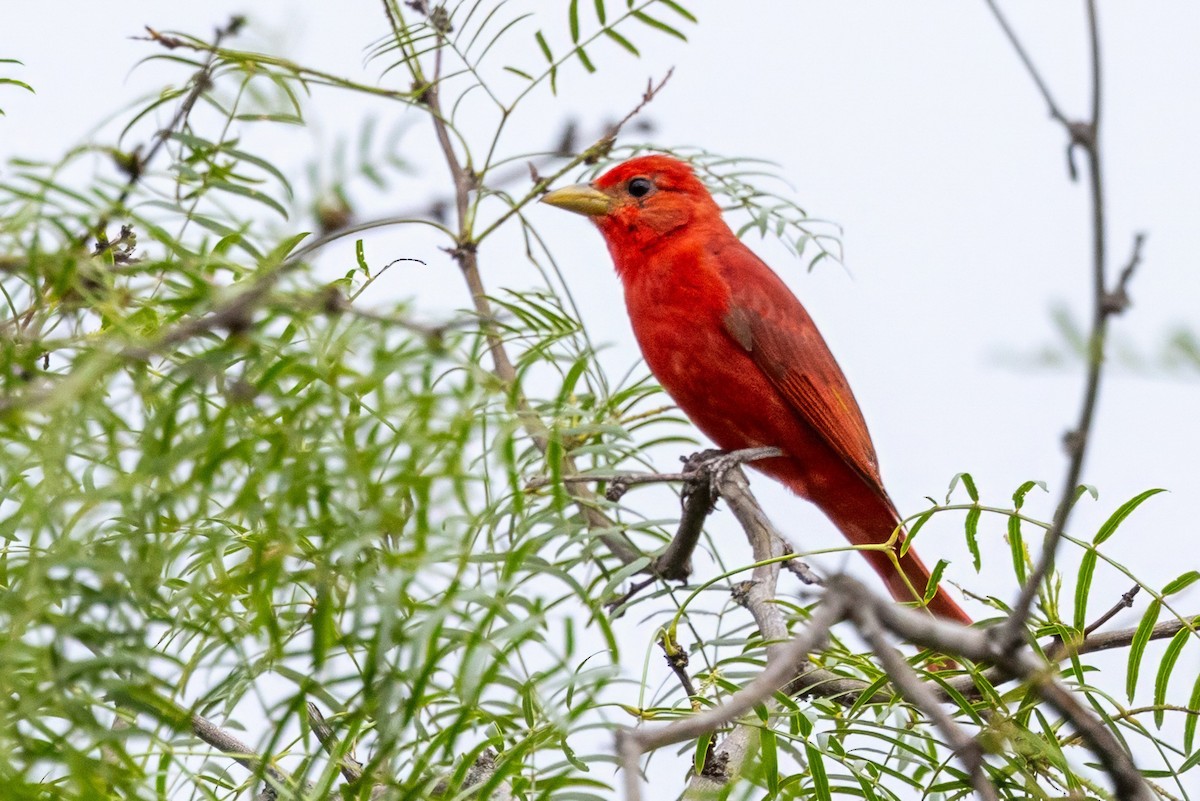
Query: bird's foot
x=716, y=464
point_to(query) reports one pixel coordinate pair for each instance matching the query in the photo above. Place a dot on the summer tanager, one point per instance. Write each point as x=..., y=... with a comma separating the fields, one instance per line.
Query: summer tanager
x=738, y=353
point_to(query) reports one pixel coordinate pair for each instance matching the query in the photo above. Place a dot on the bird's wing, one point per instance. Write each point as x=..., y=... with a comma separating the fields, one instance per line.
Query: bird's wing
x=766, y=320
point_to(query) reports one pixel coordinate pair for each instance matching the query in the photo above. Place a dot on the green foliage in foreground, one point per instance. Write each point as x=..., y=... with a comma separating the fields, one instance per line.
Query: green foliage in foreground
x=230, y=487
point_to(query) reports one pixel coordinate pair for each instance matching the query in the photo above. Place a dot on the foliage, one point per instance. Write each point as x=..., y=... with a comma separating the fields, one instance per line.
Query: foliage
x=237, y=481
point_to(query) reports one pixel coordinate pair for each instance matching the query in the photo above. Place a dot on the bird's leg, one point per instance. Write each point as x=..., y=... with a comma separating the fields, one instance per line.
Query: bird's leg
x=715, y=464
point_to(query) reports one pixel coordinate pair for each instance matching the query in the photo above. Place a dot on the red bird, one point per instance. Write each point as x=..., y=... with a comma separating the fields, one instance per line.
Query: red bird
x=738, y=353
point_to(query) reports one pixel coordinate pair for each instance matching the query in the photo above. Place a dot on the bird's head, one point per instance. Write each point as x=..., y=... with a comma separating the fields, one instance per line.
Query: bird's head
x=638, y=203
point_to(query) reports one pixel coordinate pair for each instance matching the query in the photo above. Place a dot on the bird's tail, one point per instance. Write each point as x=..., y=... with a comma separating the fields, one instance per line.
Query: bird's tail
x=870, y=519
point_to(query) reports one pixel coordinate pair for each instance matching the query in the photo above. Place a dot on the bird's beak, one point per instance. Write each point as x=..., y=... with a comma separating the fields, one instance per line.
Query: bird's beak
x=581, y=199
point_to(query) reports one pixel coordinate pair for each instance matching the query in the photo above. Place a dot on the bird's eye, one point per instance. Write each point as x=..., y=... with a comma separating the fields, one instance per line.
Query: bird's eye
x=640, y=187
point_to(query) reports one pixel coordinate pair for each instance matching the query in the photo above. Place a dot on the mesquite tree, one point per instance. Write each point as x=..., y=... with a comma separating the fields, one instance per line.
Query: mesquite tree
x=266, y=531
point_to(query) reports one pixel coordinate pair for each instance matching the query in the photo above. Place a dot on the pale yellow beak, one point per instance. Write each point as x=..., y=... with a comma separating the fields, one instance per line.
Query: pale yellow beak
x=581, y=199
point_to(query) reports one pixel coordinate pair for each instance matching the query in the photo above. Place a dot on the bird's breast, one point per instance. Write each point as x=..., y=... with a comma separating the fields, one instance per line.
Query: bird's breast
x=712, y=380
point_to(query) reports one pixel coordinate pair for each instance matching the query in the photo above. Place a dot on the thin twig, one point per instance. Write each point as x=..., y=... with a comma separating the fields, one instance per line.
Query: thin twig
x=1124, y=638
x=1125, y=603
x=923, y=696
x=1022, y=54
x=351, y=768
x=1086, y=136
x=1117, y=300
x=241, y=753
x=1058, y=648
x=677, y=659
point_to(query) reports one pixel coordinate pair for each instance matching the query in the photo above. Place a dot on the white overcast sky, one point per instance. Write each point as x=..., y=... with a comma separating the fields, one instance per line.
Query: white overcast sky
x=912, y=125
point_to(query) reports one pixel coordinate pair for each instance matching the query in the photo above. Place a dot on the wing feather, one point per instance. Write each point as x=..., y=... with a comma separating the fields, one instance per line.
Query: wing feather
x=767, y=321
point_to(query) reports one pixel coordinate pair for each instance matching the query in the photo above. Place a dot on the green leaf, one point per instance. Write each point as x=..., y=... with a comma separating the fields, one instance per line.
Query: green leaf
x=1137, y=648
x=699, y=757
x=935, y=578
x=1184, y=581
x=1190, y=762
x=768, y=753
x=659, y=24
x=678, y=9
x=622, y=41
x=1170, y=657
x=1016, y=546
x=1023, y=490
x=968, y=483
x=573, y=20
x=816, y=770
x=1083, y=588
x=545, y=48
x=1110, y=526
x=284, y=249
x=916, y=527
x=575, y=761
x=972, y=532
x=253, y=194
x=15, y=82
x=584, y=60
x=1190, y=721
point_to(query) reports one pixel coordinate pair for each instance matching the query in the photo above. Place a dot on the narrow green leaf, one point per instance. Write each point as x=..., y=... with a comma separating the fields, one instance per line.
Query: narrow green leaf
x=1052, y=748
x=701, y=753
x=816, y=770
x=659, y=24
x=284, y=249
x=1189, y=724
x=1023, y=490
x=1170, y=657
x=622, y=41
x=1016, y=546
x=867, y=786
x=247, y=192
x=573, y=20
x=678, y=9
x=1123, y=511
x=972, y=531
x=584, y=60
x=323, y=624
x=768, y=752
x=935, y=578
x=1190, y=762
x=1083, y=588
x=544, y=45
x=968, y=483
x=1186, y=580
x=917, y=525
x=15, y=82
x=289, y=119
x=575, y=761
x=601, y=14
x=1137, y=649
